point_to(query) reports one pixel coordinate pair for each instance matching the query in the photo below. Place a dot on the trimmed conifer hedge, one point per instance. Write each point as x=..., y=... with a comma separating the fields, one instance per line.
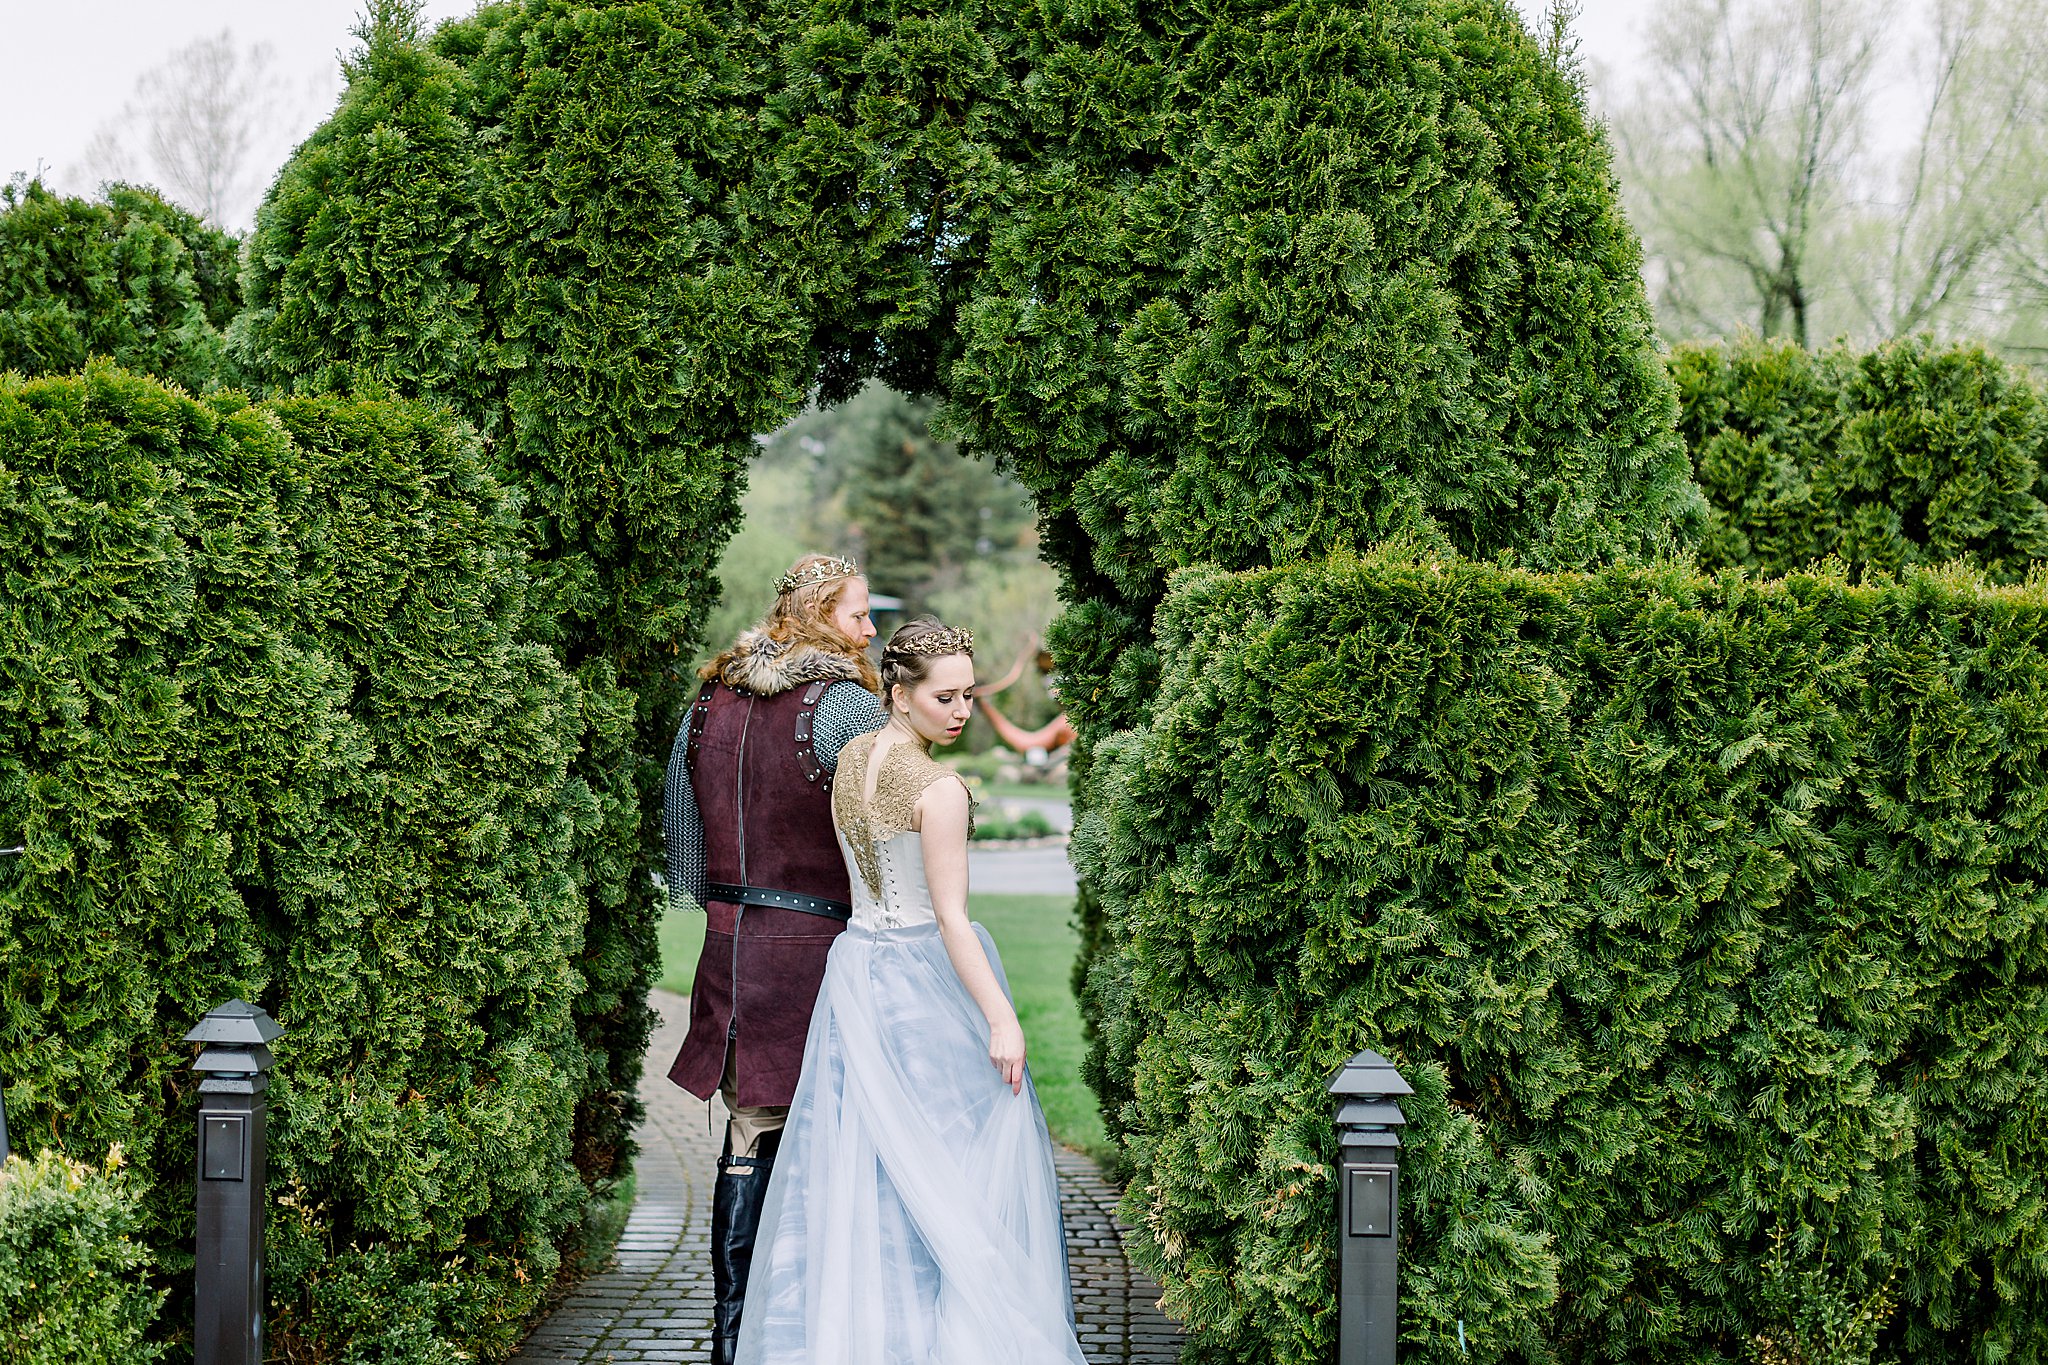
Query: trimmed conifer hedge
x=1237, y=285
x=269, y=728
x=1699, y=911
x=1911, y=453
x=130, y=278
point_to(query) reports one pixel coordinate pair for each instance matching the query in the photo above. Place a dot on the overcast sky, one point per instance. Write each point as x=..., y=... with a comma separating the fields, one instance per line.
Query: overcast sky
x=71, y=65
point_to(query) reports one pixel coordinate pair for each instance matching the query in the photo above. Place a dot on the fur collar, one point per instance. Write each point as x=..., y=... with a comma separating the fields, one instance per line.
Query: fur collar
x=766, y=668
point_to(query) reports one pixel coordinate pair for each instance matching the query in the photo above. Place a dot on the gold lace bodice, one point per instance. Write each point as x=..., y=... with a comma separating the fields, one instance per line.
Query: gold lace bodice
x=866, y=824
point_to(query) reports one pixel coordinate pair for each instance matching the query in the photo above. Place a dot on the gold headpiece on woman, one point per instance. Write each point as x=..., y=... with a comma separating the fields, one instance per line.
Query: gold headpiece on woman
x=824, y=571
x=937, y=643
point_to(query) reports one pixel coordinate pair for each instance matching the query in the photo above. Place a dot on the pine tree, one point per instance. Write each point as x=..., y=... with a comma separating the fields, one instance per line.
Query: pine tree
x=920, y=511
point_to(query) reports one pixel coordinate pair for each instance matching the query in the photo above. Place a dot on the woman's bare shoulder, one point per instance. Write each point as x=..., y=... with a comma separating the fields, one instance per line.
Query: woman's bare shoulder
x=944, y=793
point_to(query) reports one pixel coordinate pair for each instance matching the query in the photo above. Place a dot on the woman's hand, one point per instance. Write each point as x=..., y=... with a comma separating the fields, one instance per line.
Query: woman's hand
x=942, y=829
x=1006, y=1050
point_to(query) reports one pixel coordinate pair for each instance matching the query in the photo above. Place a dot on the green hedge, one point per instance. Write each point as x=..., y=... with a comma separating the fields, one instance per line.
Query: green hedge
x=1237, y=285
x=1912, y=453
x=131, y=278
x=268, y=728
x=1277, y=280
x=615, y=357
x=73, y=1279
x=1699, y=912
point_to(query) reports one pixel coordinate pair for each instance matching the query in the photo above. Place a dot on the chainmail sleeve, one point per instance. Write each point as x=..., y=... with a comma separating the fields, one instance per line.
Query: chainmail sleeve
x=682, y=828
x=845, y=711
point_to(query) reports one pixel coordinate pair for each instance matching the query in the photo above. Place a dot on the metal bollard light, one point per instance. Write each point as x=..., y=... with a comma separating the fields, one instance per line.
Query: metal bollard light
x=1368, y=1208
x=228, y=1278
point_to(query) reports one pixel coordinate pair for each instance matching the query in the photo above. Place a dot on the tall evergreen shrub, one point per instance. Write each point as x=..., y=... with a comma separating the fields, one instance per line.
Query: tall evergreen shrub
x=269, y=728
x=1285, y=279
x=1912, y=453
x=130, y=278
x=1288, y=279
x=526, y=218
x=1698, y=911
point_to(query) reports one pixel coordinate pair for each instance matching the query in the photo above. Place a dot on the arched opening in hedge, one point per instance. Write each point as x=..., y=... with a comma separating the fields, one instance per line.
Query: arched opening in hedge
x=1237, y=288
x=1322, y=313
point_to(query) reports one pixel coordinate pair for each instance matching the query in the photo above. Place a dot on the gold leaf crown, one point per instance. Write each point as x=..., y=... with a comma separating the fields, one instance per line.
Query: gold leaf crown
x=824, y=571
x=937, y=643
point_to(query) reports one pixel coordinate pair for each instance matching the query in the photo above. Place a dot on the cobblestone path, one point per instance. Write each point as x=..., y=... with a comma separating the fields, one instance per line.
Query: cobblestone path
x=653, y=1303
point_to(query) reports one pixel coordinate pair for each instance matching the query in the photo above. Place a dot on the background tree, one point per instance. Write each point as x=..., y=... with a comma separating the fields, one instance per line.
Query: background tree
x=1971, y=194
x=1768, y=202
x=921, y=513
x=868, y=478
x=197, y=126
x=1739, y=154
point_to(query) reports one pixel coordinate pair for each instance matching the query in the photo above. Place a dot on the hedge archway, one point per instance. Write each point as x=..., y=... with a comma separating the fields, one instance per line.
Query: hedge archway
x=1230, y=287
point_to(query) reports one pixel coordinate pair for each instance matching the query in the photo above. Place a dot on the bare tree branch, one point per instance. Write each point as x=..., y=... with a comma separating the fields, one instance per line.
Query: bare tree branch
x=1762, y=205
x=1738, y=147
x=194, y=125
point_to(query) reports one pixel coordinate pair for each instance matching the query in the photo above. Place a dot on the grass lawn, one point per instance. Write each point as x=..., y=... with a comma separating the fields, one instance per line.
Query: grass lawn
x=682, y=938
x=1036, y=937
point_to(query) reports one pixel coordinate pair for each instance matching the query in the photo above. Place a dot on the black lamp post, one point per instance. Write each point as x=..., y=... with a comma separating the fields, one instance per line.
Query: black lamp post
x=228, y=1278
x=1368, y=1208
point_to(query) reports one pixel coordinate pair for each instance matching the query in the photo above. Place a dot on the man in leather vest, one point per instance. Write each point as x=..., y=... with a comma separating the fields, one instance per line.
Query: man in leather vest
x=748, y=818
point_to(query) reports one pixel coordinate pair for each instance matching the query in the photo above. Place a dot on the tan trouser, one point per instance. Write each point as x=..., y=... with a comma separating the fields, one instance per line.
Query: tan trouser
x=746, y=1124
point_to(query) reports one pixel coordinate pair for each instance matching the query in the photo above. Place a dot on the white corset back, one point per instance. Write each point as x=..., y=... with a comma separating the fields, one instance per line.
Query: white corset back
x=906, y=897
x=884, y=856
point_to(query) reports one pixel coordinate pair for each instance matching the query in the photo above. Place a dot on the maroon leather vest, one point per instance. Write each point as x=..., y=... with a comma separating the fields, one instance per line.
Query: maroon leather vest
x=766, y=803
x=765, y=799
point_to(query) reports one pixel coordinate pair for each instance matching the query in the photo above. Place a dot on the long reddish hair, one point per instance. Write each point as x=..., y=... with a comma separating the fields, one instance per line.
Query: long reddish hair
x=803, y=616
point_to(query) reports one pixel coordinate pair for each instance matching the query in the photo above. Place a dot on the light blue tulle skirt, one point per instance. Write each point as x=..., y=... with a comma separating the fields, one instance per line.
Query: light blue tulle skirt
x=912, y=1216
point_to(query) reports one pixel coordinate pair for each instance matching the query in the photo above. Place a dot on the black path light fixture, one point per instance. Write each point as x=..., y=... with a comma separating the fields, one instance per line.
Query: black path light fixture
x=1368, y=1208
x=234, y=1057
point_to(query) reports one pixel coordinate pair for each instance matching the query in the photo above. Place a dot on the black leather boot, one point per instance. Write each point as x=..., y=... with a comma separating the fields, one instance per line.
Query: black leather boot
x=735, y=1218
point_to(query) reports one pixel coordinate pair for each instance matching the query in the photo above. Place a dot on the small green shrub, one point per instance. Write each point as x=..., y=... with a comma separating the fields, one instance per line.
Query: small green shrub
x=132, y=279
x=1029, y=824
x=269, y=729
x=1808, y=1316
x=1908, y=454
x=74, y=1286
x=1691, y=907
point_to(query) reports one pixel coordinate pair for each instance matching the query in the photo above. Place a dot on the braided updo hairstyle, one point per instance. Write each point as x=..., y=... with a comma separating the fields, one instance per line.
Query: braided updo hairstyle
x=912, y=649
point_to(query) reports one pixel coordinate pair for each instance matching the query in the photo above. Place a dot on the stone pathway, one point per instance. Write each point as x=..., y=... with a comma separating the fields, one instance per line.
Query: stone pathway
x=653, y=1302
x=1114, y=1312
x=1021, y=871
